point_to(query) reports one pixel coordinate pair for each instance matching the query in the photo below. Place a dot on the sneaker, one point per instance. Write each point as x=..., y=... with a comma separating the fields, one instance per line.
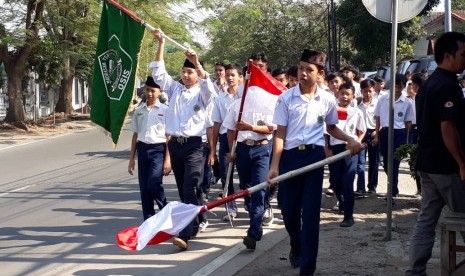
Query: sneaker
x=336, y=207
x=329, y=192
x=268, y=217
x=249, y=242
x=371, y=191
x=180, y=242
x=359, y=194
x=347, y=222
x=214, y=180
x=203, y=226
x=294, y=259
x=230, y=215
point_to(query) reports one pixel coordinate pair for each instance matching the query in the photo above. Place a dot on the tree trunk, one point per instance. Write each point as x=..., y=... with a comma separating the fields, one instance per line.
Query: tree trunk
x=65, y=98
x=16, y=112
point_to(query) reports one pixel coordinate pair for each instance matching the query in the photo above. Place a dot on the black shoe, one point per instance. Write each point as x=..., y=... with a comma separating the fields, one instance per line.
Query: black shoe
x=347, y=222
x=249, y=242
x=359, y=194
x=393, y=201
x=181, y=242
x=294, y=259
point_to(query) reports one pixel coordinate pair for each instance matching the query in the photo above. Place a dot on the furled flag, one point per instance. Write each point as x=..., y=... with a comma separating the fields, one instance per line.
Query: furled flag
x=262, y=92
x=164, y=225
x=116, y=58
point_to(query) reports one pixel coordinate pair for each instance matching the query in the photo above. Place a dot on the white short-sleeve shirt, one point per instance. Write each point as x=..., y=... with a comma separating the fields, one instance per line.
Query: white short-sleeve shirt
x=368, y=110
x=253, y=118
x=305, y=119
x=350, y=120
x=222, y=103
x=149, y=123
x=403, y=111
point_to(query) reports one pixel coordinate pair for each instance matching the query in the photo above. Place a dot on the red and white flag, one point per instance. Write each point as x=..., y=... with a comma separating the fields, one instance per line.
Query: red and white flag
x=164, y=225
x=262, y=92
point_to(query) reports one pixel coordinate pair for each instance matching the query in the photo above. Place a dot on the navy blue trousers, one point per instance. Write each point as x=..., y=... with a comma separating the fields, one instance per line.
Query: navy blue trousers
x=252, y=167
x=223, y=164
x=300, y=201
x=150, y=159
x=373, y=164
x=400, y=138
x=341, y=177
x=187, y=163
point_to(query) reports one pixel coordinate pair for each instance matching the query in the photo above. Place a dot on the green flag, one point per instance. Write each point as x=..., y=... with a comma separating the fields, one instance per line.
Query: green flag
x=118, y=47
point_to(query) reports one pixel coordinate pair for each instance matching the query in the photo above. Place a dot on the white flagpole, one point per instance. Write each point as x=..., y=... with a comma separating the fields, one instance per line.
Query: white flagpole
x=147, y=25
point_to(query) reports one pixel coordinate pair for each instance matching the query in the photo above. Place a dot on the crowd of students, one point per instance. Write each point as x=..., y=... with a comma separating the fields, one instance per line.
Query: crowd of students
x=318, y=116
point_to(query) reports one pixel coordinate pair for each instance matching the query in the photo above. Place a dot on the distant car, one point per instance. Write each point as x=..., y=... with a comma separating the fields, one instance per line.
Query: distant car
x=385, y=73
x=426, y=64
x=368, y=74
x=402, y=66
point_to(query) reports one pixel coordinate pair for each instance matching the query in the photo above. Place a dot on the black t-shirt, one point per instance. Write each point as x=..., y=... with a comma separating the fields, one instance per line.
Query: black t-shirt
x=439, y=99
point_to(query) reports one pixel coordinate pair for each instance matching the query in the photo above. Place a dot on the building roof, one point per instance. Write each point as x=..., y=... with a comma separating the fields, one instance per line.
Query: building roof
x=439, y=16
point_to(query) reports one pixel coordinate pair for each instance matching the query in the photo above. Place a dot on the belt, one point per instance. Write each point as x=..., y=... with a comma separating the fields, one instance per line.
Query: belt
x=307, y=147
x=184, y=140
x=252, y=143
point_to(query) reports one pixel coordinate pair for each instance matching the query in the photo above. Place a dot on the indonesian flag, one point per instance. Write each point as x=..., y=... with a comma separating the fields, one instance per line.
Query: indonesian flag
x=262, y=92
x=164, y=225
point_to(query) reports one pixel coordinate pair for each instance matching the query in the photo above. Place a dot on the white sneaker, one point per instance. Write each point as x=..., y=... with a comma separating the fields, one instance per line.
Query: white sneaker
x=268, y=217
x=203, y=225
x=231, y=215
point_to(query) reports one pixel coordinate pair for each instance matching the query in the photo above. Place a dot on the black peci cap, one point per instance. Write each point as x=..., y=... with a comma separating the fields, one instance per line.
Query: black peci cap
x=150, y=82
x=314, y=57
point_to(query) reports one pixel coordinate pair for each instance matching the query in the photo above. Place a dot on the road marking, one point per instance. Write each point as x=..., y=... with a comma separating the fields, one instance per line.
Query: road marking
x=222, y=259
x=17, y=190
x=42, y=139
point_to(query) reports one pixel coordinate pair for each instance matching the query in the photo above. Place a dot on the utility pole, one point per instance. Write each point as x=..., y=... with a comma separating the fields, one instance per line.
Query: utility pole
x=334, y=38
x=447, y=16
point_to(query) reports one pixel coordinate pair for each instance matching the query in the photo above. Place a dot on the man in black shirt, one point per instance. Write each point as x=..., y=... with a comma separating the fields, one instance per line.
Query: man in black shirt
x=441, y=161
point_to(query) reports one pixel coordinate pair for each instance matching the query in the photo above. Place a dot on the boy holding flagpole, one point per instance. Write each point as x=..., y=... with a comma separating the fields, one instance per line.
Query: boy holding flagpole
x=252, y=159
x=300, y=115
x=185, y=122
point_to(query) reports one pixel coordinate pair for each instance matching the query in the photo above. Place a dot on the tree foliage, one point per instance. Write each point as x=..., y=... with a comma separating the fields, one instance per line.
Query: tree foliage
x=19, y=33
x=458, y=5
x=280, y=28
x=369, y=37
x=57, y=40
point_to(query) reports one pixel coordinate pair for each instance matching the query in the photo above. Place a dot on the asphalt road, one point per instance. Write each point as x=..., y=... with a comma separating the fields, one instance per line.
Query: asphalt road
x=63, y=199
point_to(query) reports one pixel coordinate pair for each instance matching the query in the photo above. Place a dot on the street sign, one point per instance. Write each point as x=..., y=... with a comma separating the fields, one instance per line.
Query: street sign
x=382, y=9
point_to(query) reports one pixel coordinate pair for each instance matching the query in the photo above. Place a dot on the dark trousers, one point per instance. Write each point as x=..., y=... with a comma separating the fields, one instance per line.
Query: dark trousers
x=270, y=191
x=150, y=159
x=207, y=171
x=252, y=167
x=341, y=177
x=224, y=163
x=187, y=163
x=373, y=164
x=300, y=201
x=400, y=138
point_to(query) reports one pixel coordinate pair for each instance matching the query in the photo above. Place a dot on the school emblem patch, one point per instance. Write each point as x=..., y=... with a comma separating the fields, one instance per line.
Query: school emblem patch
x=261, y=123
x=400, y=114
x=321, y=119
x=448, y=104
x=196, y=107
x=116, y=67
